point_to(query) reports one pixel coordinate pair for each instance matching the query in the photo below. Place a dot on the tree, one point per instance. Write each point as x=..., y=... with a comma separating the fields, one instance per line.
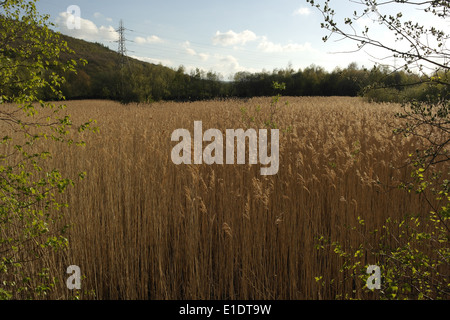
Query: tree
x=30, y=64
x=418, y=266
x=425, y=44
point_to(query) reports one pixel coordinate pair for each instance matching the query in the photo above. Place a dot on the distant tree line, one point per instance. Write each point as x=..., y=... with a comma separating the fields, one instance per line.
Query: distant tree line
x=137, y=81
x=142, y=82
x=379, y=83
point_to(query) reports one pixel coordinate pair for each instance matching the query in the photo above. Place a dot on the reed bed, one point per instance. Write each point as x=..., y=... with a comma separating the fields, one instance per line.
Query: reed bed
x=145, y=228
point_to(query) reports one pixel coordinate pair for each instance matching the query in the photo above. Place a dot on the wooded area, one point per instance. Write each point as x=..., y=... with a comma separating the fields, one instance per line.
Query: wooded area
x=101, y=78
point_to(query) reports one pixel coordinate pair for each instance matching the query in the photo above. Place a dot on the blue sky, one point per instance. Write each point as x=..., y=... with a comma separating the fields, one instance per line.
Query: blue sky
x=222, y=36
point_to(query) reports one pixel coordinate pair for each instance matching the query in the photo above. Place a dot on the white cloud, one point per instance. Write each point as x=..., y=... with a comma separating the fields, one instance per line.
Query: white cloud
x=230, y=38
x=187, y=47
x=224, y=65
x=302, y=11
x=88, y=30
x=165, y=62
x=149, y=39
x=229, y=62
x=264, y=45
x=270, y=47
x=228, y=65
x=98, y=15
x=203, y=56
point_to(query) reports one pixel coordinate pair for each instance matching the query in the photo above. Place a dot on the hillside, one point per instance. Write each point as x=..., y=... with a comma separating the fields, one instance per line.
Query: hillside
x=101, y=78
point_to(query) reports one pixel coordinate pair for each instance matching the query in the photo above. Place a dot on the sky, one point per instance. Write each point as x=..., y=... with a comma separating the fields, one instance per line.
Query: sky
x=223, y=36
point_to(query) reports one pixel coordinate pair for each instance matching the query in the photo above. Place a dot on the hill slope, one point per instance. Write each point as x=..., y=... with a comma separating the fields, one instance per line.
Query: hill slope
x=101, y=76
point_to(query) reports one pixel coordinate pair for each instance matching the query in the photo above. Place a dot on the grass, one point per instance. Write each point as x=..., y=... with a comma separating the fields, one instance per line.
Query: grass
x=144, y=228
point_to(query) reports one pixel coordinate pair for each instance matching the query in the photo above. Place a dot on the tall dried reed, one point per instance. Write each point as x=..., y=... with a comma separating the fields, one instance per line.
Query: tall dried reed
x=144, y=228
